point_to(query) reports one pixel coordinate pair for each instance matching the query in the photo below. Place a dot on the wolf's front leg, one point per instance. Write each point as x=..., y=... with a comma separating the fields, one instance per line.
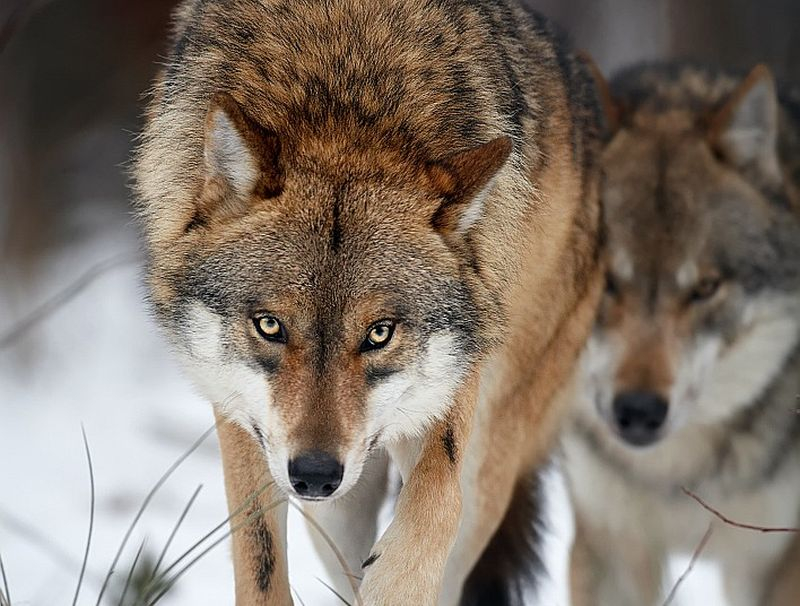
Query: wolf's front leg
x=407, y=564
x=784, y=588
x=258, y=510
x=610, y=570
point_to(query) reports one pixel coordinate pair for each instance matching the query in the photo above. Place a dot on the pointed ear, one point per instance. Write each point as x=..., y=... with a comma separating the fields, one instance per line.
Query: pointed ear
x=745, y=130
x=463, y=180
x=608, y=105
x=241, y=155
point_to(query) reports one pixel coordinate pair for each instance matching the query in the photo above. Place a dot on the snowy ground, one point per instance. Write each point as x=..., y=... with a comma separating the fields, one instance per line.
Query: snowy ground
x=98, y=361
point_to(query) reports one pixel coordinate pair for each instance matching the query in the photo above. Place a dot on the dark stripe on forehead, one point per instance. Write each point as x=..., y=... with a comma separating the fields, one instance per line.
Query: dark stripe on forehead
x=336, y=227
x=661, y=208
x=661, y=193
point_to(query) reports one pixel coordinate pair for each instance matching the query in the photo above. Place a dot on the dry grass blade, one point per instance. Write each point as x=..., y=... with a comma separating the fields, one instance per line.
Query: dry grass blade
x=130, y=574
x=730, y=522
x=297, y=595
x=334, y=592
x=216, y=528
x=695, y=556
x=6, y=594
x=144, y=505
x=175, y=529
x=60, y=298
x=31, y=534
x=91, y=517
x=247, y=521
x=159, y=579
x=342, y=562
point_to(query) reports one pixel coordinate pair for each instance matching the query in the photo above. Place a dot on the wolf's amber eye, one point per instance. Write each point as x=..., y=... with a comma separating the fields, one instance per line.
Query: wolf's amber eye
x=378, y=336
x=270, y=328
x=705, y=289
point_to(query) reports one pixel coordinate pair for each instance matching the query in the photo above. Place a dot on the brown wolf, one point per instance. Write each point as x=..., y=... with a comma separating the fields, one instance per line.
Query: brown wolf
x=366, y=221
x=692, y=374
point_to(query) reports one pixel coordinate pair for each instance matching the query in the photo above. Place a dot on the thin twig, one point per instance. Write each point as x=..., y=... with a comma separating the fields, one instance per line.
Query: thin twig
x=175, y=529
x=695, y=556
x=144, y=505
x=342, y=561
x=91, y=516
x=6, y=592
x=43, y=311
x=734, y=523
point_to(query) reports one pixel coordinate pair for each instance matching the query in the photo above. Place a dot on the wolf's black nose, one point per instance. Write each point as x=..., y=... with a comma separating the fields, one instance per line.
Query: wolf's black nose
x=315, y=474
x=639, y=416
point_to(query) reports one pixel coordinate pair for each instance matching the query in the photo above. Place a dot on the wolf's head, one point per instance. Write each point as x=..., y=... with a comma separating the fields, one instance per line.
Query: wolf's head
x=702, y=304
x=320, y=294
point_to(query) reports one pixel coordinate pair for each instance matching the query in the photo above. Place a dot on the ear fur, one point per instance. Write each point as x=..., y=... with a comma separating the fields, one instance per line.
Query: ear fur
x=608, y=105
x=463, y=180
x=240, y=154
x=745, y=130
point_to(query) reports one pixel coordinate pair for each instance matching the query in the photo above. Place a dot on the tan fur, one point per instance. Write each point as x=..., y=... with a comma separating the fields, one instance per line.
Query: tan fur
x=784, y=587
x=410, y=157
x=250, y=488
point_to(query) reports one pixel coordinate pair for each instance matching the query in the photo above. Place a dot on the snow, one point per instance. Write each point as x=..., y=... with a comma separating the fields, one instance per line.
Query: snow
x=98, y=362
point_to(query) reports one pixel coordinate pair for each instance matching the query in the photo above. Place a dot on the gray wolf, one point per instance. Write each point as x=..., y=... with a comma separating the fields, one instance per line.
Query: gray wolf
x=365, y=222
x=691, y=376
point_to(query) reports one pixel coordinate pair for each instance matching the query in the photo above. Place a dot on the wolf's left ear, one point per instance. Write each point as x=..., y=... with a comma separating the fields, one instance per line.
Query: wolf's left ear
x=463, y=180
x=745, y=129
x=609, y=106
x=241, y=155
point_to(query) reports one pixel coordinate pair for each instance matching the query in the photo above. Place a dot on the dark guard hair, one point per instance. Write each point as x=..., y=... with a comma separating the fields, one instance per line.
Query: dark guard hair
x=512, y=560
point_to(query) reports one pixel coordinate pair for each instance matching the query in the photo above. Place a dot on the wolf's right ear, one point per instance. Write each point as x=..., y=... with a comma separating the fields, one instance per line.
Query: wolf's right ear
x=240, y=155
x=745, y=130
x=463, y=179
x=608, y=105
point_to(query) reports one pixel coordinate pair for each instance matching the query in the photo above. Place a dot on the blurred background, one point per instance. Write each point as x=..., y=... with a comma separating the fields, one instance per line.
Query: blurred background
x=76, y=343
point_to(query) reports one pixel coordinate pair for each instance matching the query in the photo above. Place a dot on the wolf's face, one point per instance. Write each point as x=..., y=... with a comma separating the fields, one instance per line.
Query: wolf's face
x=323, y=310
x=701, y=305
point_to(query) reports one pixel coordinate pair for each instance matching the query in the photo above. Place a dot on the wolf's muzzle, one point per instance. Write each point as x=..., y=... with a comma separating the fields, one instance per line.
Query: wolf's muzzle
x=315, y=474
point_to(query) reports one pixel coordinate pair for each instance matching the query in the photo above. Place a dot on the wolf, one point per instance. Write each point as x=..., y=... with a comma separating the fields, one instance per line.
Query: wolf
x=364, y=223
x=690, y=381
